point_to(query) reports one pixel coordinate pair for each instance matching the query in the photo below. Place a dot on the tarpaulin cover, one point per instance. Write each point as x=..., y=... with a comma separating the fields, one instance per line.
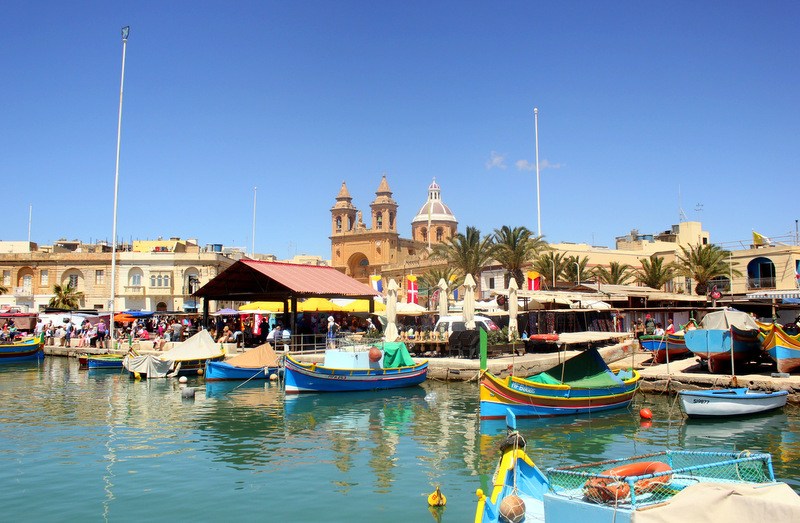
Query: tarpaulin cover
x=723, y=320
x=395, y=355
x=261, y=356
x=148, y=365
x=201, y=346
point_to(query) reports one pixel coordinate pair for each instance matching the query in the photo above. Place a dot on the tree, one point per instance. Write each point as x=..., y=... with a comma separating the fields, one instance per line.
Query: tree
x=654, y=273
x=571, y=272
x=703, y=263
x=616, y=274
x=468, y=253
x=66, y=297
x=3, y=289
x=550, y=265
x=430, y=280
x=515, y=248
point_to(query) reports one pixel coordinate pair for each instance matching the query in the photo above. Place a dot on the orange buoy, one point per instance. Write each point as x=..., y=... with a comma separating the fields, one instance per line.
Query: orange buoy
x=375, y=354
x=645, y=414
x=512, y=509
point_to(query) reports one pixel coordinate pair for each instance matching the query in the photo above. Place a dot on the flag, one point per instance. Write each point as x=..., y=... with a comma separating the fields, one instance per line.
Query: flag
x=797, y=273
x=534, y=281
x=759, y=239
x=412, y=289
x=377, y=282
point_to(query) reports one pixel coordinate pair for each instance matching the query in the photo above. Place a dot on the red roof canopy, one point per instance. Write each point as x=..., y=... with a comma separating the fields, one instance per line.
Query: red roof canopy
x=252, y=280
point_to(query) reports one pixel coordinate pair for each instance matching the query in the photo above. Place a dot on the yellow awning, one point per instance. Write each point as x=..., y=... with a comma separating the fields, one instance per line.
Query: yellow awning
x=316, y=305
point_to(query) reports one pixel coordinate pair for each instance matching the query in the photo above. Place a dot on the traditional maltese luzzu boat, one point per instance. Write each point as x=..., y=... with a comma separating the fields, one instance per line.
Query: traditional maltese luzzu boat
x=356, y=368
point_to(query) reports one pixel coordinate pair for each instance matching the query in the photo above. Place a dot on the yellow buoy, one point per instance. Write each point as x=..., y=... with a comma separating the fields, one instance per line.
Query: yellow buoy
x=436, y=498
x=137, y=376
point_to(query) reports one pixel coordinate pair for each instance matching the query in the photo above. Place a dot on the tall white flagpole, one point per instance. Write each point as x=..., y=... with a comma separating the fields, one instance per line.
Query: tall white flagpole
x=125, y=31
x=538, y=192
x=30, y=218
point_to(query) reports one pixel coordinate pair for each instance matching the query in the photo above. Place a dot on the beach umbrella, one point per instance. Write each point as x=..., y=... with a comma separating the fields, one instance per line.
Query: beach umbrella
x=390, y=333
x=469, y=301
x=443, y=307
x=513, y=305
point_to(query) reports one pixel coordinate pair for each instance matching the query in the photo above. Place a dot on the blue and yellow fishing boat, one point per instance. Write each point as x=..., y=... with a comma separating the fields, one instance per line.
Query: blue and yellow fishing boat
x=579, y=385
x=356, y=368
x=26, y=349
x=781, y=347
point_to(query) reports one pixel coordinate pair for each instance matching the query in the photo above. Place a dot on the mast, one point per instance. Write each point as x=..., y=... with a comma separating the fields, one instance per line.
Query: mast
x=125, y=31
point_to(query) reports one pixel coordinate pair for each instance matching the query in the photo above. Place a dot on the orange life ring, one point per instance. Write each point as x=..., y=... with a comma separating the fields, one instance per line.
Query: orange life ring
x=616, y=488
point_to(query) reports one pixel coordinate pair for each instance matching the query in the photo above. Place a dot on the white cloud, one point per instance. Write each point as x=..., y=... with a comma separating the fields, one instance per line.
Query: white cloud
x=496, y=160
x=525, y=165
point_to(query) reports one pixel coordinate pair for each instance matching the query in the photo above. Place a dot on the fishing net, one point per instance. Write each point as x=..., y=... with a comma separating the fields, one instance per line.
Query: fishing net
x=653, y=478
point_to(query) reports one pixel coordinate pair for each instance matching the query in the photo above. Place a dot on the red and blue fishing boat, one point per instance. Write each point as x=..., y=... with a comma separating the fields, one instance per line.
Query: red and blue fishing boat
x=579, y=385
x=725, y=336
x=25, y=349
x=357, y=368
x=782, y=347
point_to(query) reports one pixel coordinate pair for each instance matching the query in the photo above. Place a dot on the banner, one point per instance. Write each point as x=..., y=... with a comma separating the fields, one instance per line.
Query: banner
x=534, y=281
x=377, y=282
x=412, y=289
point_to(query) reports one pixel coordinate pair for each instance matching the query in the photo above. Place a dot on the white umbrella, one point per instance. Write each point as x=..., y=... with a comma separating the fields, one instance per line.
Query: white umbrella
x=469, y=301
x=443, y=307
x=513, y=330
x=390, y=333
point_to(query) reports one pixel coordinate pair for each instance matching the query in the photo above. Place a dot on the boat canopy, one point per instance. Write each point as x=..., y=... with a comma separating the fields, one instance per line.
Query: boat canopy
x=395, y=354
x=586, y=370
x=201, y=346
x=724, y=319
x=259, y=357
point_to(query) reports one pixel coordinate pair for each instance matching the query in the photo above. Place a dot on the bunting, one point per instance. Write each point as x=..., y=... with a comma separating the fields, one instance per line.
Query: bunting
x=534, y=281
x=376, y=281
x=412, y=289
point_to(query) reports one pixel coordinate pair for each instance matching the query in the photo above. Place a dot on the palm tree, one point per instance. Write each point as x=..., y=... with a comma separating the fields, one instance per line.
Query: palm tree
x=654, y=273
x=3, y=289
x=66, y=297
x=703, y=263
x=571, y=272
x=616, y=274
x=551, y=266
x=430, y=279
x=467, y=253
x=515, y=248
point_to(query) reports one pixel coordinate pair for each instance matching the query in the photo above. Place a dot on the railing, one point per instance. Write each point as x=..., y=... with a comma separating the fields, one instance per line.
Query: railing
x=23, y=291
x=133, y=290
x=760, y=283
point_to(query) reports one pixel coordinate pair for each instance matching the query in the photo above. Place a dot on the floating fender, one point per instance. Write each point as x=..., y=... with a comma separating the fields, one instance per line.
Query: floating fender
x=188, y=393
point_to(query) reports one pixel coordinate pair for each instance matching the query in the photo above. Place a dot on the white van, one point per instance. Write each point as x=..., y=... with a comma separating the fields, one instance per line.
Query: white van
x=449, y=324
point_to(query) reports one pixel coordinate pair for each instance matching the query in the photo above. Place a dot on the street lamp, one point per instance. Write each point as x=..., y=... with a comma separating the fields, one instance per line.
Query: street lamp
x=538, y=199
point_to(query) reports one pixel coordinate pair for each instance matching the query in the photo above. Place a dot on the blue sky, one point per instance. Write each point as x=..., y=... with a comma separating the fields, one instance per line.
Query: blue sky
x=644, y=108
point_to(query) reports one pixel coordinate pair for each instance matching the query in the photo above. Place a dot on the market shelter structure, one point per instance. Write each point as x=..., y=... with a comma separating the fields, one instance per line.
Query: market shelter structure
x=252, y=280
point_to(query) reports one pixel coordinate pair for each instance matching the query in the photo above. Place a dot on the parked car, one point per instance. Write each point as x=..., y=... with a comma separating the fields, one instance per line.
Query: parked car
x=450, y=324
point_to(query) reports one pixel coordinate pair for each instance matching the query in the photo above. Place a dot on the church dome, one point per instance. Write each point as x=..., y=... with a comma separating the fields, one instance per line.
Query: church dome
x=434, y=209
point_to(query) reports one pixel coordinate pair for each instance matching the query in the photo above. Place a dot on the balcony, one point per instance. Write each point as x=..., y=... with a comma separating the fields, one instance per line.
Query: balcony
x=133, y=290
x=23, y=292
x=760, y=283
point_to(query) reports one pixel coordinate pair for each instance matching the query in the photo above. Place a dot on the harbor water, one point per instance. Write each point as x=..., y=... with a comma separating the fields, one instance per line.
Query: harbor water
x=79, y=445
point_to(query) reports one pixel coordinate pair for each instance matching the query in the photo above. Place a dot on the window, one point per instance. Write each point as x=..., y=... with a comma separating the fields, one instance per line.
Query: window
x=439, y=234
x=379, y=221
x=44, y=278
x=152, y=280
x=338, y=224
x=491, y=283
x=27, y=283
x=6, y=278
x=166, y=280
x=136, y=279
x=391, y=220
x=99, y=276
x=73, y=281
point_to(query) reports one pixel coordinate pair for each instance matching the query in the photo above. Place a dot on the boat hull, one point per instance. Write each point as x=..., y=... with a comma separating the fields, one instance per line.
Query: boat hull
x=27, y=350
x=715, y=346
x=670, y=346
x=104, y=362
x=783, y=349
x=308, y=377
x=730, y=402
x=531, y=400
x=219, y=371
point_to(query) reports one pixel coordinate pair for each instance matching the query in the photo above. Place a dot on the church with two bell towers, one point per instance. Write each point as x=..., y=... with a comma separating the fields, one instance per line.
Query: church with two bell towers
x=361, y=251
